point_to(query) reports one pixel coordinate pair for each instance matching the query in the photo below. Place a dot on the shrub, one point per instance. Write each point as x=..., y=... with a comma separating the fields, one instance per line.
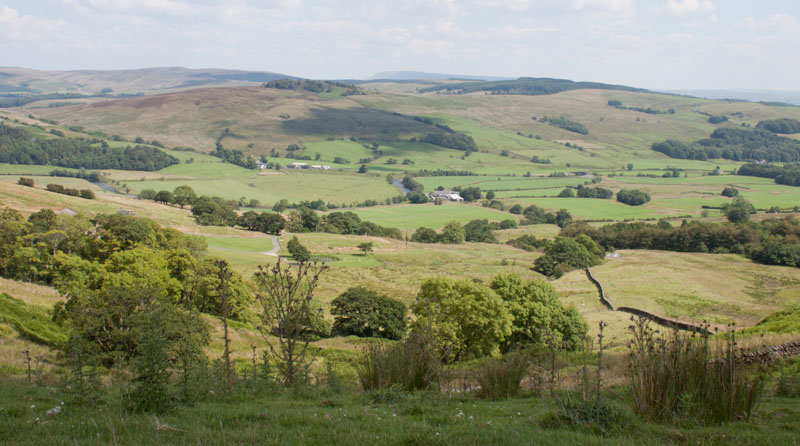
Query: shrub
x=680, y=377
x=25, y=181
x=501, y=378
x=594, y=415
x=363, y=312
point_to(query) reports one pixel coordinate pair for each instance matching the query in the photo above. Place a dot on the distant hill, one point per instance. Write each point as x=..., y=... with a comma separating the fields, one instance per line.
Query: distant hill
x=527, y=86
x=788, y=97
x=418, y=75
x=146, y=80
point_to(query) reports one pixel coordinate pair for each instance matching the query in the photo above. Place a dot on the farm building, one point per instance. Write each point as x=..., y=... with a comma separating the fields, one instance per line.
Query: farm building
x=446, y=194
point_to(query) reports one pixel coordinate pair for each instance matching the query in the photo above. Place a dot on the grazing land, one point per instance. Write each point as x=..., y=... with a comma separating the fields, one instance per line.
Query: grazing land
x=531, y=170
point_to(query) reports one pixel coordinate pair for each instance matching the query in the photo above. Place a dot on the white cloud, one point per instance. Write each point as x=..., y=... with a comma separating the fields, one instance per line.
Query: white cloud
x=512, y=30
x=680, y=8
x=514, y=5
x=10, y=17
x=680, y=38
x=450, y=28
x=785, y=23
x=619, y=7
x=630, y=40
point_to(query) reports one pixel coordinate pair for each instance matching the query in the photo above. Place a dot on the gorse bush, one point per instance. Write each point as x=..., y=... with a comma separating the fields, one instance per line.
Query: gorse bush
x=680, y=377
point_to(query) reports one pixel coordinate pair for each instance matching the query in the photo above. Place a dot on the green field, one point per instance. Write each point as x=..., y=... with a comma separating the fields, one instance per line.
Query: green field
x=413, y=216
x=269, y=187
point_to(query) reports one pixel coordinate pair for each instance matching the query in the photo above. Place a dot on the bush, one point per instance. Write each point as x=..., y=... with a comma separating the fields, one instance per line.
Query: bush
x=365, y=313
x=25, y=181
x=501, y=378
x=633, y=197
x=680, y=377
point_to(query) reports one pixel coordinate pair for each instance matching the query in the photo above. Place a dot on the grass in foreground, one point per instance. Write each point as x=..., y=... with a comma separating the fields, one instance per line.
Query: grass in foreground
x=309, y=417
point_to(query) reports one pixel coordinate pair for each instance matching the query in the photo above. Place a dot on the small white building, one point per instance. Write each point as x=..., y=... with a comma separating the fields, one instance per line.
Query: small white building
x=297, y=166
x=263, y=166
x=446, y=194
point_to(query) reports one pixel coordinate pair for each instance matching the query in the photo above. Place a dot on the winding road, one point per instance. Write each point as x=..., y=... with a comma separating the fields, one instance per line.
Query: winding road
x=275, y=247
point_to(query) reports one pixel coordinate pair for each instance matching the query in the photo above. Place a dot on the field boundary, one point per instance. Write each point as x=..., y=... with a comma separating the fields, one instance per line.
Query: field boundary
x=669, y=323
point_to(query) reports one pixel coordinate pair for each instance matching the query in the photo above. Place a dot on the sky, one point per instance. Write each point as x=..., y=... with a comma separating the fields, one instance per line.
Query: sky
x=658, y=44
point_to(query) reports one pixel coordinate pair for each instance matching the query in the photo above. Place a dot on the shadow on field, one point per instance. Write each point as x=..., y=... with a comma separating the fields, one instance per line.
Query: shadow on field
x=359, y=122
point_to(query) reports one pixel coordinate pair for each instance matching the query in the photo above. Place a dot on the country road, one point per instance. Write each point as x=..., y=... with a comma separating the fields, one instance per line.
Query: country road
x=275, y=247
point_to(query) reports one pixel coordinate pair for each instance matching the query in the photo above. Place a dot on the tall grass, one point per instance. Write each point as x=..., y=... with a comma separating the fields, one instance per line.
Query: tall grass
x=680, y=377
x=412, y=364
x=502, y=378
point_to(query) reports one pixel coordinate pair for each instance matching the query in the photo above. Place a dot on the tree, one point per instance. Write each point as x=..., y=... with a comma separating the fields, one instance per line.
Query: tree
x=566, y=254
x=479, y=231
x=163, y=196
x=730, y=192
x=166, y=337
x=365, y=247
x=363, y=169
x=280, y=206
x=284, y=312
x=738, y=210
x=567, y=192
x=490, y=195
x=271, y=223
x=537, y=312
x=424, y=235
x=12, y=227
x=183, y=195
x=25, y=181
x=147, y=194
x=365, y=313
x=466, y=319
x=563, y=218
x=297, y=250
x=633, y=197
x=452, y=233
x=516, y=209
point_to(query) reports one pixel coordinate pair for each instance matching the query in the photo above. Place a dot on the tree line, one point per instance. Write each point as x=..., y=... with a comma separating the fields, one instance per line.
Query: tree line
x=566, y=124
x=618, y=104
x=772, y=242
x=788, y=174
x=525, y=86
x=18, y=146
x=781, y=125
x=734, y=144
